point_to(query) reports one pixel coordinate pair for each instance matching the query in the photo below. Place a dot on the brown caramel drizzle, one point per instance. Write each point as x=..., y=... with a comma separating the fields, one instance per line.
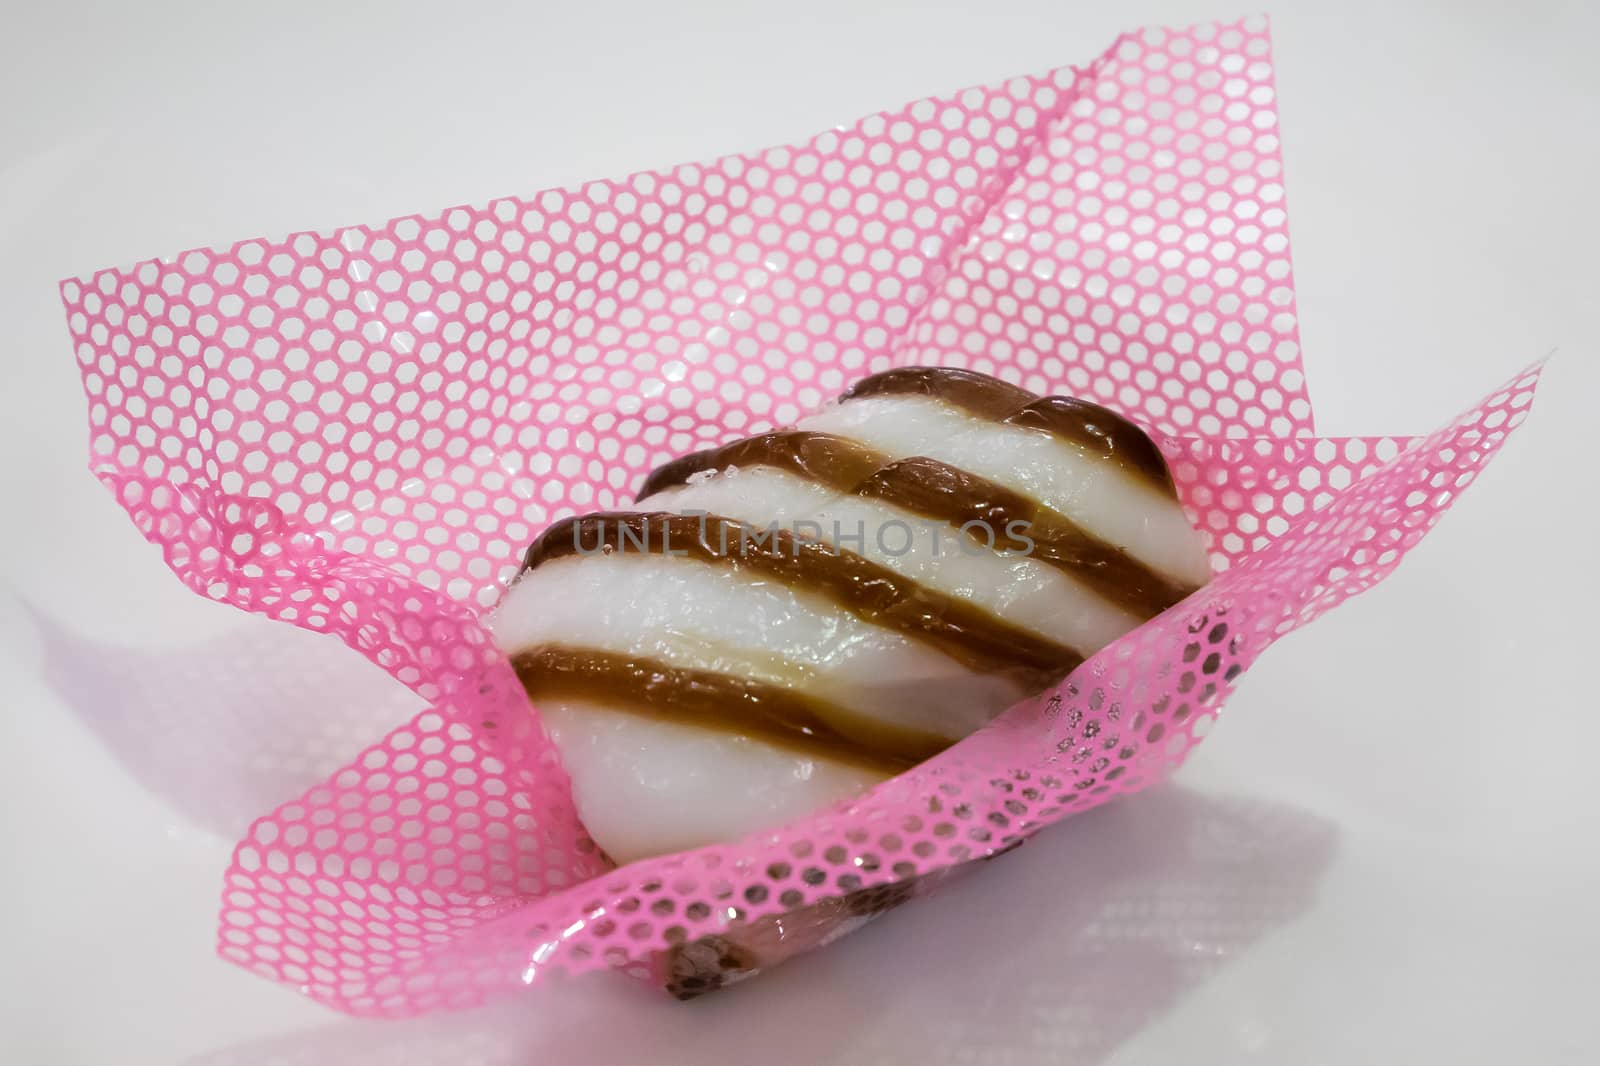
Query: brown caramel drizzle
x=979, y=394
x=873, y=593
x=837, y=462
x=1098, y=431
x=772, y=713
x=1010, y=522
x=946, y=494
x=790, y=718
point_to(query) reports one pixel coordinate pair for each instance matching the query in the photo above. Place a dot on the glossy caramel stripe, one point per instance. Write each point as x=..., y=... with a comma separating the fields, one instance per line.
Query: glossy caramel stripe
x=837, y=462
x=949, y=494
x=779, y=716
x=946, y=494
x=1098, y=431
x=873, y=593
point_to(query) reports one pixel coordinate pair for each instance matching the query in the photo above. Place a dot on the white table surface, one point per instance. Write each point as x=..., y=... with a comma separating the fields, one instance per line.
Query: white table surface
x=1386, y=852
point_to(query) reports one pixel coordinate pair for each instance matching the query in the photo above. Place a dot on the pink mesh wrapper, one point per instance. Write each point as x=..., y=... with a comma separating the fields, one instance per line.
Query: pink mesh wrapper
x=358, y=431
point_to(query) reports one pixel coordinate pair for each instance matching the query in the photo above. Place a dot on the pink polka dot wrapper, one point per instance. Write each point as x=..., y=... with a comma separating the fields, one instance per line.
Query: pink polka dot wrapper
x=358, y=432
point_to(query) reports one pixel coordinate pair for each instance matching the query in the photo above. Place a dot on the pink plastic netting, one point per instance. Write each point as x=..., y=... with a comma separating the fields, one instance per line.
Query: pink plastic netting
x=358, y=431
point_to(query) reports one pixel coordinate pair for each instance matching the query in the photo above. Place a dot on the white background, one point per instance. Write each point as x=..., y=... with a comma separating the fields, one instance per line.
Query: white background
x=1385, y=853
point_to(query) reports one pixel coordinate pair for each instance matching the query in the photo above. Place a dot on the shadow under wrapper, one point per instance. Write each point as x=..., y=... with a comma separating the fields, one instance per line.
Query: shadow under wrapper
x=1059, y=951
x=226, y=730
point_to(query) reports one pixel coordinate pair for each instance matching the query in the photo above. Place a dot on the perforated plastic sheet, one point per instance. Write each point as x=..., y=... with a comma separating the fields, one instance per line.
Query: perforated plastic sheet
x=358, y=431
